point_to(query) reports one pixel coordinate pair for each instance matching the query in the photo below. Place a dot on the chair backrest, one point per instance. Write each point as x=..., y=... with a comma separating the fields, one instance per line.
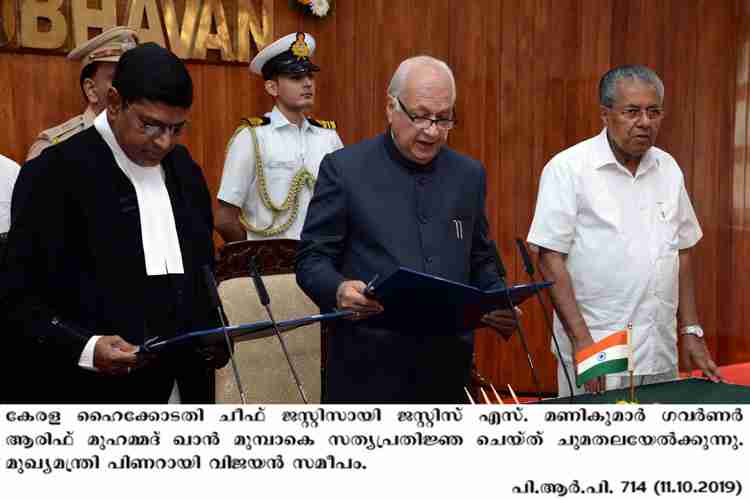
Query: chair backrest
x=264, y=371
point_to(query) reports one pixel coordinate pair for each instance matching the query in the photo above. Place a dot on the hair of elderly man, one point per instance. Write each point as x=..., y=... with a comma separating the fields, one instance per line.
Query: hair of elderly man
x=401, y=75
x=608, y=83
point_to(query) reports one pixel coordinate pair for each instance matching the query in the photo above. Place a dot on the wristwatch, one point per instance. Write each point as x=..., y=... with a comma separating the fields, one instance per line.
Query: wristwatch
x=695, y=330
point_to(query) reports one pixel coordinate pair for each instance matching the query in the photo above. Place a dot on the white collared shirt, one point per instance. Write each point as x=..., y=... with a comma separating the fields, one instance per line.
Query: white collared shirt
x=622, y=235
x=285, y=148
x=161, y=245
x=8, y=175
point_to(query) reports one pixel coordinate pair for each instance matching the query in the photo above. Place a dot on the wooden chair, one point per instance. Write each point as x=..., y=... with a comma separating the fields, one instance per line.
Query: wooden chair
x=263, y=368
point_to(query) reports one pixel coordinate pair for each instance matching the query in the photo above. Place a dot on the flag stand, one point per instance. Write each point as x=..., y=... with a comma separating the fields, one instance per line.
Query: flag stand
x=630, y=364
x=632, y=387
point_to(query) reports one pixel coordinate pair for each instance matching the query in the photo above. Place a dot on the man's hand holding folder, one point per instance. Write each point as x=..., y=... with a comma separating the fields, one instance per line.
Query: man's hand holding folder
x=431, y=304
x=355, y=295
x=502, y=321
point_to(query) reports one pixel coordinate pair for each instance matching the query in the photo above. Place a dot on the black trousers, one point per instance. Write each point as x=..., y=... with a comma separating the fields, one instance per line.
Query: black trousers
x=366, y=365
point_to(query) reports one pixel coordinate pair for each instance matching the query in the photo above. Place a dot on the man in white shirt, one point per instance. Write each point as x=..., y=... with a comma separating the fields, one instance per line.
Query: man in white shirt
x=8, y=174
x=272, y=161
x=614, y=226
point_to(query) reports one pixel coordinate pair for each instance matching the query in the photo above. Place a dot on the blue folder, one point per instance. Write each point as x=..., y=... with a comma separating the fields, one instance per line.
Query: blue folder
x=238, y=333
x=417, y=300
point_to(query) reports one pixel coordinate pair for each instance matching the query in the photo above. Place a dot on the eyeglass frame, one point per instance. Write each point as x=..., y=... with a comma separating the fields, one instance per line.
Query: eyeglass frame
x=433, y=121
x=154, y=130
x=628, y=112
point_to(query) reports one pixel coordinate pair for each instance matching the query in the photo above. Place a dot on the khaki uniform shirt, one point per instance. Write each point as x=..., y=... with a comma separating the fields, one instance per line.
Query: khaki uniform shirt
x=61, y=132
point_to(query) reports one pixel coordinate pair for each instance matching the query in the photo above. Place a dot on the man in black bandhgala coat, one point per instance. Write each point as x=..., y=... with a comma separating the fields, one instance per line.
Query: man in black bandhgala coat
x=399, y=199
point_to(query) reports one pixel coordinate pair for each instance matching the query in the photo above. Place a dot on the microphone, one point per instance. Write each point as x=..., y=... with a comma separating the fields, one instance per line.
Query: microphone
x=528, y=266
x=530, y=271
x=260, y=287
x=498, y=262
x=213, y=295
x=265, y=301
x=502, y=272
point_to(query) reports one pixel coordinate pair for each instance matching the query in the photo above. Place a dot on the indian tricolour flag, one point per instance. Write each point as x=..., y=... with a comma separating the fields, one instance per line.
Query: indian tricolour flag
x=609, y=355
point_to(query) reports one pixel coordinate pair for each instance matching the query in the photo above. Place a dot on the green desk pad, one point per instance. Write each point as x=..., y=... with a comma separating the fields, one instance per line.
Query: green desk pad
x=684, y=391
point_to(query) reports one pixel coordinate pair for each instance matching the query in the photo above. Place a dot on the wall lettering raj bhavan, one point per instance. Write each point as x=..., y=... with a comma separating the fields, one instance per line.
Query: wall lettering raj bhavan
x=187, y=27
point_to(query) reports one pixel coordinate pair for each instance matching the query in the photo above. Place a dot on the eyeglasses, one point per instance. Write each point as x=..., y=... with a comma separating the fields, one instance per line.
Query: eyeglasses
x=155, y=129
x=633, y=113
x=425, y=122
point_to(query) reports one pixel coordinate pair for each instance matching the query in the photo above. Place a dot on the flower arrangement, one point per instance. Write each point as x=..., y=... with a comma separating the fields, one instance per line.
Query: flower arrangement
x=316, y=8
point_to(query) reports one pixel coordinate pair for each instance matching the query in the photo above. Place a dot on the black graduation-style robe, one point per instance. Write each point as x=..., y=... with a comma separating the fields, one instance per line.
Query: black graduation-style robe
x=75, y=255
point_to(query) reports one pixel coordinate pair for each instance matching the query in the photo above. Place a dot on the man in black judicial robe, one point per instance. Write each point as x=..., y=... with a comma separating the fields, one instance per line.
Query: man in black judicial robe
x=76, y=263
x=399, y=199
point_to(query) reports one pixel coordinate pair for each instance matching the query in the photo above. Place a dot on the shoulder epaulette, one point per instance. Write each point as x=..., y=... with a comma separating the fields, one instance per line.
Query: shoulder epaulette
x=323, y=123
x=251, y=122
x=61, y=132
x=255, y=121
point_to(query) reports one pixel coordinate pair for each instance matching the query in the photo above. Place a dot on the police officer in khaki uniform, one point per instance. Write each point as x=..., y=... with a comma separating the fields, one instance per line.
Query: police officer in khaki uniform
x=98, y=58
x=272, y=161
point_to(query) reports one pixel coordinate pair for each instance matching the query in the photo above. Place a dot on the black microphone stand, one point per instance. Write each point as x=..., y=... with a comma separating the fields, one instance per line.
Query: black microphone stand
x=529, y=267
x=208, y=277
x=501, y=271
x=265, y=301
